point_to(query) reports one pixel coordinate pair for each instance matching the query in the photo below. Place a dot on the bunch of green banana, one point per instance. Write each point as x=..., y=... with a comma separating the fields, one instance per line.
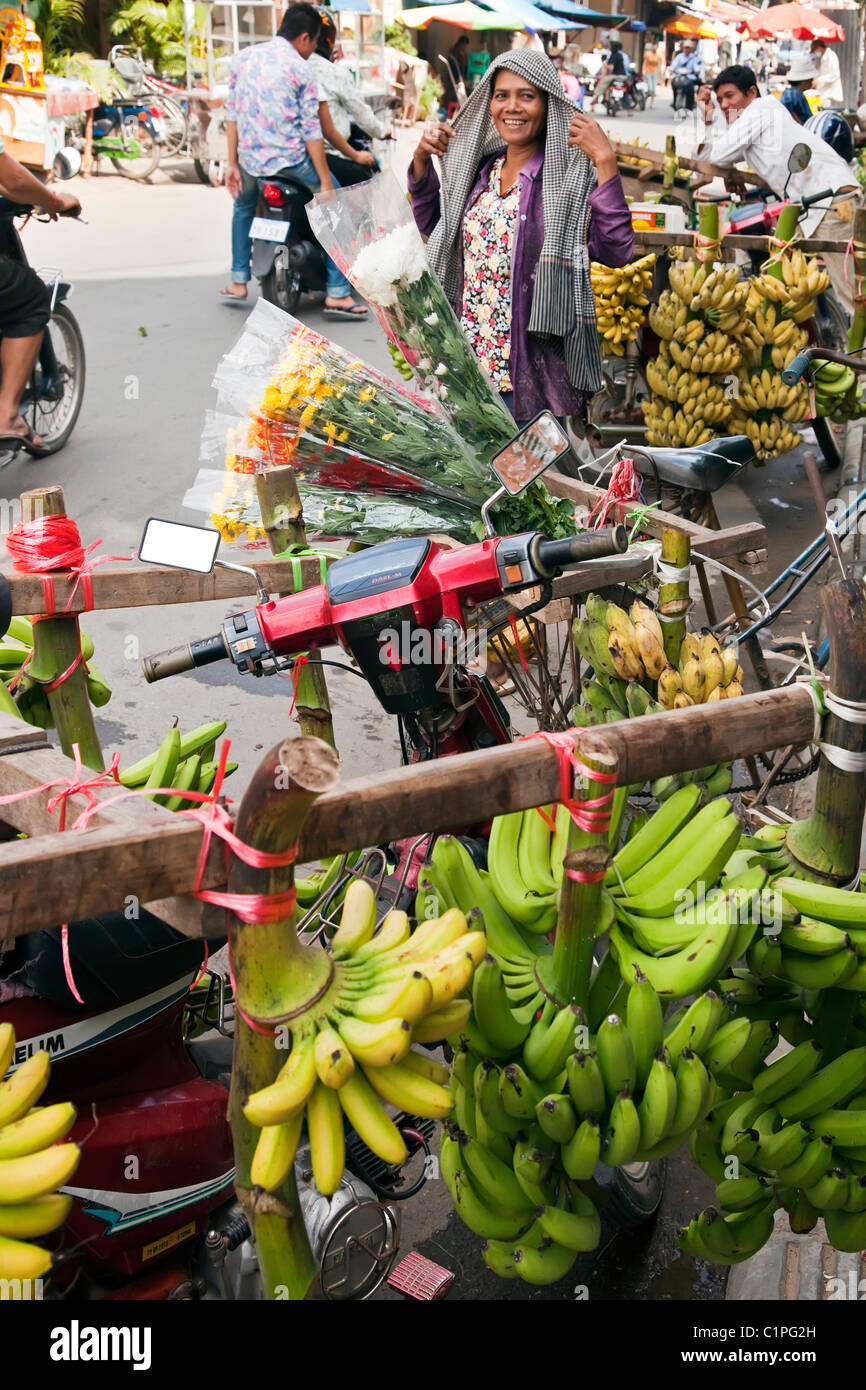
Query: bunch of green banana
x=799, y=1140
x=352, y=1050
x=669, y=924
x=621, y=299
x=527, y=1131
x=183, y=762
x=20, y=693
x=833, y=381
x=34, y=1164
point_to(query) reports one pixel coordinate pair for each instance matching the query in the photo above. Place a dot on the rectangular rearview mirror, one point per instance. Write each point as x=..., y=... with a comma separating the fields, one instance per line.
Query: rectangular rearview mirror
x=179, y=546
x=535, y=448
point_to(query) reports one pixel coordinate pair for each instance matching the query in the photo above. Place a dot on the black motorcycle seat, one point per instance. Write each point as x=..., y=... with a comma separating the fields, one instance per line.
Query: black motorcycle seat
x=703, y=468
x=114, y=959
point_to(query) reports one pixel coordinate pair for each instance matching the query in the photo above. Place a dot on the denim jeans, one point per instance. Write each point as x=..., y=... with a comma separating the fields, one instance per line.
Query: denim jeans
x=337, y=286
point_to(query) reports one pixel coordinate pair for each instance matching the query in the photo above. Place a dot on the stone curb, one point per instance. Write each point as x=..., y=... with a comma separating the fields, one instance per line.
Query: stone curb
x=798, y=1269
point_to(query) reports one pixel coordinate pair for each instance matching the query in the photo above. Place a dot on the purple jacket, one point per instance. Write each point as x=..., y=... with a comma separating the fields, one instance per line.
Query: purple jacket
x=539, y=375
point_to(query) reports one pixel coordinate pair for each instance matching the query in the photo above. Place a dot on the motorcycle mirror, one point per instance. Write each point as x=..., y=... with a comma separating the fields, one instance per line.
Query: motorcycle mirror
x=799, y=158
x=529, y=453
x=179, y=546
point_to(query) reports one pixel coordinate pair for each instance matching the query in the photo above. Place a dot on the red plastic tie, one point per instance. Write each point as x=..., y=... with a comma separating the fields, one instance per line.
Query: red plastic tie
x=520, y=651
x=250, y=907
x=591, y=815
x=297, y=664
x=622, y=491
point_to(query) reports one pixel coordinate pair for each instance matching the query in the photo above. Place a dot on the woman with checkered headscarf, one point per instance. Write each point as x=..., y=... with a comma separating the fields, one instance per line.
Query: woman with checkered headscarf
x=530, y=194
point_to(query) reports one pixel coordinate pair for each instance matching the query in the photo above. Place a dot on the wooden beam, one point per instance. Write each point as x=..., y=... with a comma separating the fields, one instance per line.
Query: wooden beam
x=732, y=242
x=656, y=158
x=56, y=877
x=141, y=586
x=65, y=877
x=408, y=801
x=751, y=535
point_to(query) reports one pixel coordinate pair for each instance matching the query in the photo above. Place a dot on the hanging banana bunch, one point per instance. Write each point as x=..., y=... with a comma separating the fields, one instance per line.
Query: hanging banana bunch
x=621, y=301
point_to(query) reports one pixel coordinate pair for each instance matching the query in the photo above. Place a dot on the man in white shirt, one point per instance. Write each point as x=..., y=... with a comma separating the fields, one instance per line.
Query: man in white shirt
x=828, y=83
x=758, y=131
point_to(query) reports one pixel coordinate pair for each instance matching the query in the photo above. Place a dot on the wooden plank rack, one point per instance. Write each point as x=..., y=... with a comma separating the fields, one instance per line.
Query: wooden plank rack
x=133, y=847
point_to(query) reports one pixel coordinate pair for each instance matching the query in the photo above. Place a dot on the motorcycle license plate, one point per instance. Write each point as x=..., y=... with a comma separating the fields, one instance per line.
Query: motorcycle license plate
x=266, y=229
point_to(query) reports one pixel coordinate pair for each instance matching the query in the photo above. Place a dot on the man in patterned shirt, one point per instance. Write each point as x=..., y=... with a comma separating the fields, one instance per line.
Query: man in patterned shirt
x=273, y=124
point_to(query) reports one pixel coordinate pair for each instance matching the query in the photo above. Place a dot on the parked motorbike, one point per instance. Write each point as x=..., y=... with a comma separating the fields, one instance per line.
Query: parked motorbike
x=128, y=129
x=400, y=609
x=53, y=395
x=626, y=93
x=287, y=259
x=147, y=1062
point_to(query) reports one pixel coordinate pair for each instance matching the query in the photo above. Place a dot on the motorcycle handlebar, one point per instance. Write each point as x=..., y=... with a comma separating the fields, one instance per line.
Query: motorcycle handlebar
x=553, y=556
x=185, y=658
x=811, y=198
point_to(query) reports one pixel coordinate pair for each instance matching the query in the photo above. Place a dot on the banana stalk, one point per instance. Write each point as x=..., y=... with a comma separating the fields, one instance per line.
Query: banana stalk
x=674, y=599
x=276, y=978
x=283, y=521
x=56, y=644
x=571, y=963
x=828, y=841
x=857, y=331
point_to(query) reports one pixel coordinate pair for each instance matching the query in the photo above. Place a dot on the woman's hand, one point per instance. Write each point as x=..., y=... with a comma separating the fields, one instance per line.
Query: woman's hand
x=588, y=136
x=434, y=140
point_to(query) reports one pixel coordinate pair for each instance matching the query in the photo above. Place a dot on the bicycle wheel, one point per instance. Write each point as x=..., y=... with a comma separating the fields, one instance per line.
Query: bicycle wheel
x=51, y=408
x=140, y=154
x=829, y=328
x=174, y=125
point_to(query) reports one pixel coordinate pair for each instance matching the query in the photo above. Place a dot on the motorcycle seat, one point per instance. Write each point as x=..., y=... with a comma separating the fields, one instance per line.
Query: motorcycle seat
x=703, y=468
x=113, y=959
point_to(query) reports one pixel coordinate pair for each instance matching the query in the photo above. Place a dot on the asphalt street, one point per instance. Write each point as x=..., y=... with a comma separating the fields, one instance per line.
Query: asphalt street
x=147, y=270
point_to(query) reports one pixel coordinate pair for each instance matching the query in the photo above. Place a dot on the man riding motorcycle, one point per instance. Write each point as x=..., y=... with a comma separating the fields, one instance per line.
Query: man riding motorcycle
x=25, y=301
x=346, y=109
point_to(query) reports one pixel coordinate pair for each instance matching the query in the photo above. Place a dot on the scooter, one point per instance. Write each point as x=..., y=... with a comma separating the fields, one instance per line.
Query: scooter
x=52, y=397
x=400, y=610
x=147, y=1062
x=287, y=259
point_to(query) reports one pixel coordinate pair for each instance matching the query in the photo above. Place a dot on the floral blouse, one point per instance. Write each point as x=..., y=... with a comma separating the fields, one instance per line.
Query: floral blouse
x=488, y=236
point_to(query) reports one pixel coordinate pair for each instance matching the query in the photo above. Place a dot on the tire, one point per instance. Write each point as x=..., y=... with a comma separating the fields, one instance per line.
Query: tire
x=54, y=421
x=174, y=124
x=831, y=331
x=634, y=1193
x=641, y=101
x=143, y=165
x=282, y=284
x=611, y=107
x=210, y=171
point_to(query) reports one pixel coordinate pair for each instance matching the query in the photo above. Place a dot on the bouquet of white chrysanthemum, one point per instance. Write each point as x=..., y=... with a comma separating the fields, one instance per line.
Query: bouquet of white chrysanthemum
x=370, y=233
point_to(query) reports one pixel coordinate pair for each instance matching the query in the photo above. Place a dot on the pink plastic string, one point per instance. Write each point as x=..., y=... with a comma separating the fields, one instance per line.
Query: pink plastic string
x=622, y=490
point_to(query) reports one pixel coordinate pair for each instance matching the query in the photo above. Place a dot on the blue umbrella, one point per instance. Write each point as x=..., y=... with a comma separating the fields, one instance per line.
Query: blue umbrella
x=533, y=18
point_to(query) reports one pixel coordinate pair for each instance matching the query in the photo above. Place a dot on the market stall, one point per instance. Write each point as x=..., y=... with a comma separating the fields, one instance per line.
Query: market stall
x=33, y=106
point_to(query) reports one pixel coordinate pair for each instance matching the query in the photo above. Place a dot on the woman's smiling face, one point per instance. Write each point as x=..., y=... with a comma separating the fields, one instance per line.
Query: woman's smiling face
x=519, y=110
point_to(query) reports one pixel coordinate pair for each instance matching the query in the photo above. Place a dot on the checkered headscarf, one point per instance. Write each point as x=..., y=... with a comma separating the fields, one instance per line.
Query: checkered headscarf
x=563, y=308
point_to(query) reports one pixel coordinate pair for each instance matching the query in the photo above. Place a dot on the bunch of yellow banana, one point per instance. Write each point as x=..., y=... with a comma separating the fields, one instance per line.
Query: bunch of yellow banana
x=770, y=437
x=714, y=353
x=21, y=694
x=804, y=278
x=184, y=762
x=668, y=315
x=352, y=1050
x=34, y=1165
x=721, y=298
x=765, y=390
x=617, y=643
x=621, y=300
x=707, y=672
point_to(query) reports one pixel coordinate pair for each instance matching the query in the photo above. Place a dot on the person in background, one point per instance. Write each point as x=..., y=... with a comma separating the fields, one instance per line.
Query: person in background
x=614, y=67
x=686, y=71
x=570, y=84
x=530, y=194
x=828, y=81
x=274, y=114
x=760, y=132
x=457, y=63
x=652, y=64
x=801, y=76
x=345, y=106
x=25, y=301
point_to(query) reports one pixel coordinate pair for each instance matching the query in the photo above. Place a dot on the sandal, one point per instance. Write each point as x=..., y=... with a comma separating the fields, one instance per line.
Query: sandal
x=357, y=311
x=20, y=441
x=226, y=297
